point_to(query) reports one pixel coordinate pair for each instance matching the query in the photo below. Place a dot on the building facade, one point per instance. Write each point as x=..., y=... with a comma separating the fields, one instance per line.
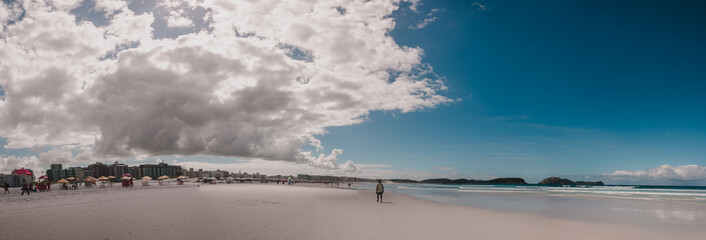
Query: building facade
x=77, y=172
x=15, y=180
x=136, y=172
x=221, y=174
x=160, y=169
x=57, y=172
x=118, y=169
x=99, y=169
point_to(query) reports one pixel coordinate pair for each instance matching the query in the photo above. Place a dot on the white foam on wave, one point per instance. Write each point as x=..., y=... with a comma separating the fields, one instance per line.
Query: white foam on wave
x=621, y=192
x=426, y=188
x=496, y=191
x=499, y=189
x=651, y=193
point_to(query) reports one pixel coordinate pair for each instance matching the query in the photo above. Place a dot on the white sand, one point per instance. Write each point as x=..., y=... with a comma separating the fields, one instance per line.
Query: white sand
x=258, y=211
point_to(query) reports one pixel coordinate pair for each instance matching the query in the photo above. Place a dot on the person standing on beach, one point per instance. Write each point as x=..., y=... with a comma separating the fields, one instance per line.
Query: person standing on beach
x=379, y=190
x=6, y=186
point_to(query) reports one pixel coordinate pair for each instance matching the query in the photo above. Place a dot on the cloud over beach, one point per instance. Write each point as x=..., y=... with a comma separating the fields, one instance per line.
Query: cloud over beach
x=668, y=172
x=255, y=79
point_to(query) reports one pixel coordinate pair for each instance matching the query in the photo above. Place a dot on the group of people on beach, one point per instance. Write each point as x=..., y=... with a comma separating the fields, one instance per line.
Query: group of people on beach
x=74, y=185
x=29, y=187
x=45, y=185
x=39, y=186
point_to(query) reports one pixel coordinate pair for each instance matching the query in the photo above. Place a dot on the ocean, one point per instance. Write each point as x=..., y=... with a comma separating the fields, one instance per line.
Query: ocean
x=671, y=208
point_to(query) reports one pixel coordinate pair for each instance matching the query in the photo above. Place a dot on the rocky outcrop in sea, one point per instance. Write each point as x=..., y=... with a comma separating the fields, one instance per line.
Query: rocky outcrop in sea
x=556, y=181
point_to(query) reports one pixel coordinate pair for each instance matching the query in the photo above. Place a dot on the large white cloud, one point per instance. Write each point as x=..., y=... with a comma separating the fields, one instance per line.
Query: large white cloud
x=260, y=81
x=668, y=172
x=56, y=155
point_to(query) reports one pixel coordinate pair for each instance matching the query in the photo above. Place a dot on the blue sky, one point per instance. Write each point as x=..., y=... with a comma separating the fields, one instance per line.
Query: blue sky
x=549, y=88
x=539, y=88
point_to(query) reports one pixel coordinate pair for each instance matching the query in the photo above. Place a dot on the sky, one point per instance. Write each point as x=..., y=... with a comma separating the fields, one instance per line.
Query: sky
x=599, y=90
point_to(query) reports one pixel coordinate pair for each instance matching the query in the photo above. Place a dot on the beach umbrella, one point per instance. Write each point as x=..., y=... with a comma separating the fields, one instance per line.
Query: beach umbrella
x=22, y=172
x=71, y=178
x=111, y=177
x=163, y=177
x=126, y=175
x=103, y=178
x=146, y=178
x=125, y=178
x=182, y=177
x=62, y=181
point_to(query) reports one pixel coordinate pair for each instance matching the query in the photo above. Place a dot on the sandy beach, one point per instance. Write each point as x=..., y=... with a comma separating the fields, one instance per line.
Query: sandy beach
x=269, y=211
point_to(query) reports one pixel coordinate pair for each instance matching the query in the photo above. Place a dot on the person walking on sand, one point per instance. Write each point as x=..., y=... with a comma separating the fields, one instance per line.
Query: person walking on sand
x=25, y=188
x=7, y=186
x=379, y=190
x=130, y=181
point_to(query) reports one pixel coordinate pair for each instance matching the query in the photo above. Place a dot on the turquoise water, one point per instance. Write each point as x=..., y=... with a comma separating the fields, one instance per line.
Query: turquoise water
x=670, y=208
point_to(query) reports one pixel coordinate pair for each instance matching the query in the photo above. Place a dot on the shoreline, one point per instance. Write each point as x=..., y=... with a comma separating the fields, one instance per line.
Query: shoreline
x=667, y=214
x=267, y=211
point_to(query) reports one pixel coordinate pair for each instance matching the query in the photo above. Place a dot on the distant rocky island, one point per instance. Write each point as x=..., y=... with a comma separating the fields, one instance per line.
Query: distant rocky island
x=551, y=181
x=556, y=181
x=463, y=181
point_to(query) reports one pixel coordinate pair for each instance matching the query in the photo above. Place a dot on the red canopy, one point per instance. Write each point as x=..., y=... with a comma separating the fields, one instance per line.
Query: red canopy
x=126, y=175
x=23, y=172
